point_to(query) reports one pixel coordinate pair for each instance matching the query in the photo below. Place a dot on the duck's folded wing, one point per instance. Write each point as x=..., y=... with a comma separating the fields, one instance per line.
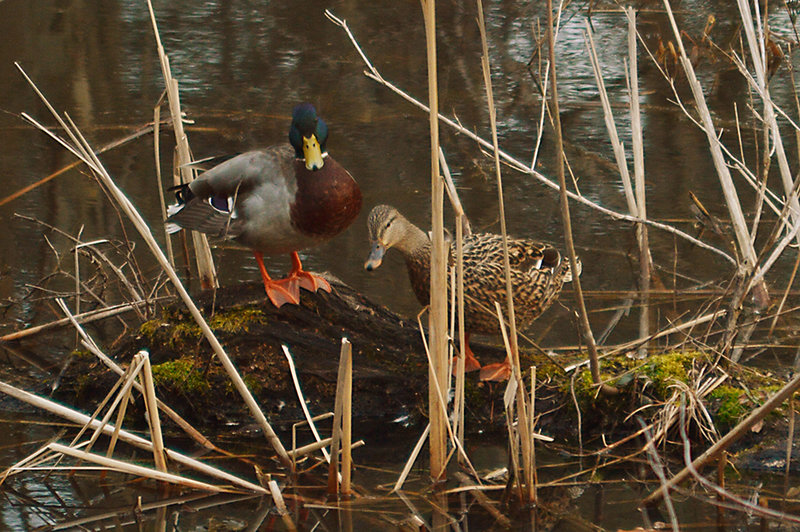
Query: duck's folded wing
x=246, y=172
x=202, y=215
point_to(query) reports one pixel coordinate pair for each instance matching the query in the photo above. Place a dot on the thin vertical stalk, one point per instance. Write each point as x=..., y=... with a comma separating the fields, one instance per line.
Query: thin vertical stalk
x=302, y=401
x=347, y=422
x=514, y=348
x=333, y=469
x=159, y=177
x=532, y=428
x=437, y=319
x=638, y=176
x=462, y=224
x=594, y=362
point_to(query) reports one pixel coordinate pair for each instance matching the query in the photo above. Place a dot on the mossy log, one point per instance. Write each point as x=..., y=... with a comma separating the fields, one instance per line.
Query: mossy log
x=390, y=372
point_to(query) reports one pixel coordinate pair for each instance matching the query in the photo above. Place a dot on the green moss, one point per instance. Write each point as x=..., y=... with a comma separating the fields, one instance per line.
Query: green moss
x=174, y=330
x=584, y=388
x=667, y=368
x=730, y=407
x=181, y=374
x=150, y=328
x=237, y=320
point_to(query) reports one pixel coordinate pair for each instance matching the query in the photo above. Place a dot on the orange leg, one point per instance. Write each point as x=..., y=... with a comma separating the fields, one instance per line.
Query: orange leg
x=276, y=292
x=470, y=362
x=305, y=279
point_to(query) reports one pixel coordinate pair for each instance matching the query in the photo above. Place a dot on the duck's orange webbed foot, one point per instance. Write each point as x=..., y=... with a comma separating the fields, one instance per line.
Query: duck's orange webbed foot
x=304, y=279
x=281, y=291
x=470, y=362
x=496, y=372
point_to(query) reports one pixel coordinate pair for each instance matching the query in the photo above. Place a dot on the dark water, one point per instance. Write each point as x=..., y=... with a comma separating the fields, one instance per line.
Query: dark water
x=243, y=65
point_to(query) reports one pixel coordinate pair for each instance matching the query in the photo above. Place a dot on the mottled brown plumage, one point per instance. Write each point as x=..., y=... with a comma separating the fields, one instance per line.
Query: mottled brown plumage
x=537, y=270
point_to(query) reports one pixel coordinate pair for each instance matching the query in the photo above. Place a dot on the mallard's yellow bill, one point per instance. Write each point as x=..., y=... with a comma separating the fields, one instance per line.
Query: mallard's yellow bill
x=312, y=153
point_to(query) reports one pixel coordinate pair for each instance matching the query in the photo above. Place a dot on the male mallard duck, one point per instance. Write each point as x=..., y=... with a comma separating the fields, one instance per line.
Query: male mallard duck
x=277, y=200
x=537, y=274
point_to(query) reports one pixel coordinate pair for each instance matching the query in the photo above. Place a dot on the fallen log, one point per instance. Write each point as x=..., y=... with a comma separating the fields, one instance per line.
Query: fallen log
x=390, y=366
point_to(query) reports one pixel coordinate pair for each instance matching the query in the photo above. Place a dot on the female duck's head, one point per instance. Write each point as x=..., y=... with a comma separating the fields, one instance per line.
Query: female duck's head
x=308, y=135
x=388, y=228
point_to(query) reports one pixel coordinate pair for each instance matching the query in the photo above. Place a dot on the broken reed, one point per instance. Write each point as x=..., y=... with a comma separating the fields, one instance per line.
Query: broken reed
x=183, y=172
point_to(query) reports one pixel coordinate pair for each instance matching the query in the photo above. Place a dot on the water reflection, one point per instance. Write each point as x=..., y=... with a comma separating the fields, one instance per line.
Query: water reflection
x=243, y=65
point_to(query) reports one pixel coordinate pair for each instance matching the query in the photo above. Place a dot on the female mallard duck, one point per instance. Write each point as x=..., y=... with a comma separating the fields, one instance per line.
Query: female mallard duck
x=537, y=274
x=277, y=200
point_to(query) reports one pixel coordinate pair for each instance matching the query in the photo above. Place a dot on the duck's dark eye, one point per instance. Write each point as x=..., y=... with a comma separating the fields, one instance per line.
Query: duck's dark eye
x=387, y=225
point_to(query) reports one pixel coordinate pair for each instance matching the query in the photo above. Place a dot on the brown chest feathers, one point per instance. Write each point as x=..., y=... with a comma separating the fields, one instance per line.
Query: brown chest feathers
x=327, y=200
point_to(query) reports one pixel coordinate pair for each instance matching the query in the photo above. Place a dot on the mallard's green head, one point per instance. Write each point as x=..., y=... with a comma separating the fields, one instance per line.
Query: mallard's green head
x=308, y=135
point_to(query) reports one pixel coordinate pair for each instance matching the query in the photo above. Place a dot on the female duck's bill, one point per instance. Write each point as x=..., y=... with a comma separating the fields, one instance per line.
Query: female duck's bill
x=276, y=200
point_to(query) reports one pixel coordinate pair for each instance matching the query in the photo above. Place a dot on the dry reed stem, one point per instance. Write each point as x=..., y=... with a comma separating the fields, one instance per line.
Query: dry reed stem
x=785, y=296
x=151, y=406
x=203, y=257
x=334, y=476
x=124, y=467
x=159, y=178
x=347, y=421
x=462, y=227
x=297, y=452
x=411, y=459
x=79, y=149
x=645, y=259
x=132, y=439
x=442, y=406
x=723, y=443
x=437, y=317
x=123, y=408
x=635, y=198
x=586, y=328
x=513, y=352
x=481, y=498
x=174, y=416
x=126, y=381
x=758, y=55
x=86, y=317
x=277, y=497
x=658, y=469
x=532, y=431
x=611, y=128
x=730, y=194
x=523, y=168
x=302, y=400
